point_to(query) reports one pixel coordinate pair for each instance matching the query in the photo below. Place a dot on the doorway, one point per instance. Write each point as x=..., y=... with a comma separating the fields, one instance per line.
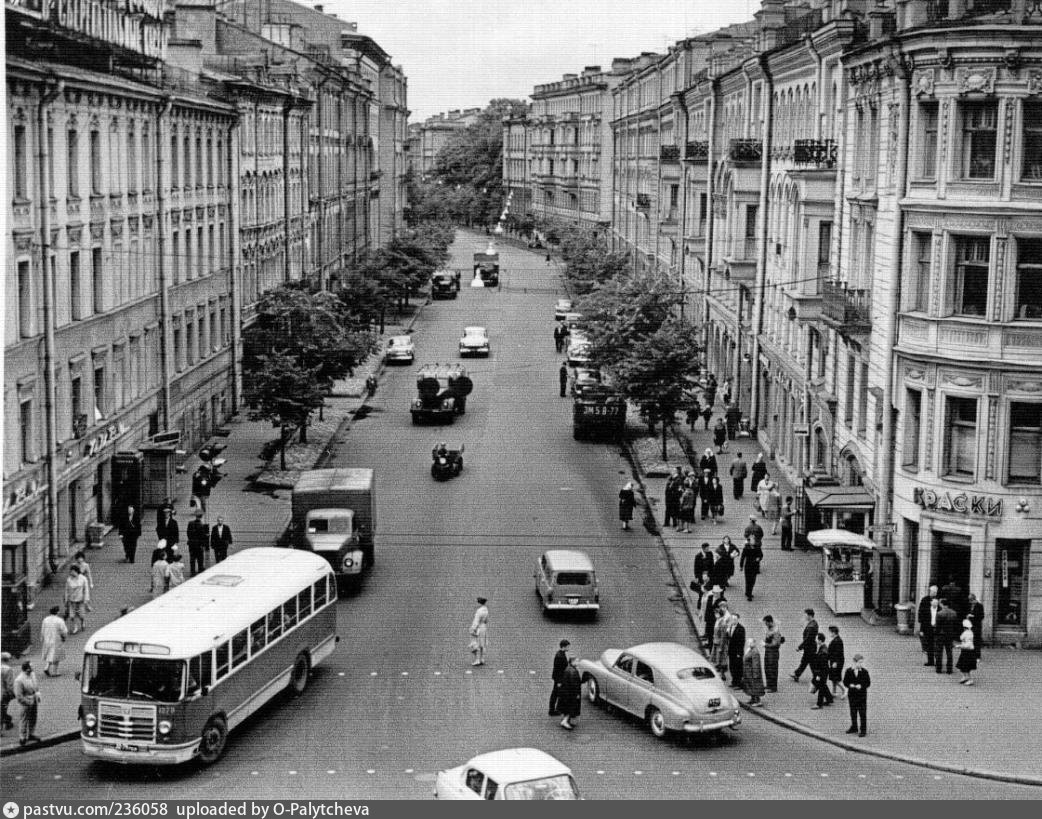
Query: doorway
x=951, y=560
x=1011, y=558
x=74, y=512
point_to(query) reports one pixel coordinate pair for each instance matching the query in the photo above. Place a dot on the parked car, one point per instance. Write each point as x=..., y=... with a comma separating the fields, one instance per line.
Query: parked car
x=573, y=321
x=474, y=342
x=670, y=686
x=578, y=350
x=566, y=581
x=562, y=308
x=513, y=773
x=400, y=348
x=584, y=379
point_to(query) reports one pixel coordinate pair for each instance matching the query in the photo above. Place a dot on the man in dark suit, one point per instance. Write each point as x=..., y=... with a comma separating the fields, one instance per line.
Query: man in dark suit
x=926, y=615
x=975, y=613
x=198, y=544
x=836, y=660
x=749, y=562
x=167, y=528
x=220, y=540
x=736, y=651
x=857, y=681
x=808, y=646
x=130, y=531
x=560, y=664
x=704, y=563
x=945, y=630
x=705, y=491
x=819, y=666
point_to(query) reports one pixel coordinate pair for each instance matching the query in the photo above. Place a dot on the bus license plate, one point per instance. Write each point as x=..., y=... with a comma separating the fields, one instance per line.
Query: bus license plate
x=122, y=746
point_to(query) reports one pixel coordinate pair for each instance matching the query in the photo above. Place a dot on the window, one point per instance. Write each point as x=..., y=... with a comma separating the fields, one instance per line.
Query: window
x=25, y=299
x=25, y=430
x=179, y=353
x=200, y=671
x=913, y=419
x=862, y=402
x=50, y=165
x=146, y=159
x=190, y=339
x=198, y=161
x=961, y=429
x=475, y=780
x=95, y=162
x=1032, y=165
x=1025, y=443
x=132, y=160
x=75, y=295
x=928, y=139
x=971, y=275
x=75, y=398
x=289, y=613
x=274, y=624
x=642, y=671
x=240, y=648
x=848, y=404
x=258, y=635
x=222, y=661
x=21, y=167
x=703, y=207
x=99, y=392
x=72, y=161
x=175, y=176
x=919, y=292
x=979, y=130
x=304, y=603
x=98, y=277
x=186, y=163
x=1028, y=299
x=319, y=590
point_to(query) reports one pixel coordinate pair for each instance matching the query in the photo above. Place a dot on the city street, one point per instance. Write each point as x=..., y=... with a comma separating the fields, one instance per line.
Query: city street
x=399, y=700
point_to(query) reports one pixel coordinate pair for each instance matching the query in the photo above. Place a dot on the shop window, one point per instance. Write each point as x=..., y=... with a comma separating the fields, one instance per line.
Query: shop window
x=1032, y=142
x=1011, y=572
x=979, y=139
x=928, y=112
x=971, y=274
x=961, y=432
x=1029, y=280
x=912, y=429
x=1025, y=443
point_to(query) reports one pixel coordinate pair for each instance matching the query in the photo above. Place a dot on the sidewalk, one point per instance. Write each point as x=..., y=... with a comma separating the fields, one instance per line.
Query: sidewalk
x=914, y=714
x=256, y=513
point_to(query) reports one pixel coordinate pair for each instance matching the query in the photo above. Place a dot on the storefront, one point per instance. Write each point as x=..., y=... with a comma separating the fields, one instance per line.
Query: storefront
x=822, y=504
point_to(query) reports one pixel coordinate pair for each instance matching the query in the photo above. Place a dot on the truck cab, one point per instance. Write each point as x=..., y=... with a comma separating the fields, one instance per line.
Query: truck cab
x=486, y=265
x=444, y=285
x=442, y=391
x=333, y=534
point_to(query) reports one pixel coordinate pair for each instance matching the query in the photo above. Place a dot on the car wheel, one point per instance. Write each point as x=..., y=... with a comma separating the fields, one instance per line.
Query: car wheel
x=593, y=690
x=212, y=741
x=415, y=420
x=656, y=723
x=301, y=674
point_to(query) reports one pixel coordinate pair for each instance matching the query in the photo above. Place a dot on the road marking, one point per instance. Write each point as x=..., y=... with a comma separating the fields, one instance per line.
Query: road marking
x=408, y=770
x=401, y=698
x=638, y=773
x=372, y=673
x=531, y=672
x=370, y=771
x=938, y=777
x=824, y=775
x=437, y=673
x=292, y=773
x=789, y=775
x=405, y=673
x=712, y=773
x=676, y=773
x=600, y=773
x=567, y=489
x=500, y=671
x=862, y=776
x=750, y=774
x=341, y=674
x=330, y=772
x=254, y=773
x=57, y=776
x=469, y=671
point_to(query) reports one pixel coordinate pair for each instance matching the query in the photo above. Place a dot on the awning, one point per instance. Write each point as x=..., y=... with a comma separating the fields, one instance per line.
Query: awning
x=840, y=497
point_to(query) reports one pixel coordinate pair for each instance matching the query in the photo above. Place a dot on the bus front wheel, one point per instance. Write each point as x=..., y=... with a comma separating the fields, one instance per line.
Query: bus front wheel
x=214, y=737
x=298, y=681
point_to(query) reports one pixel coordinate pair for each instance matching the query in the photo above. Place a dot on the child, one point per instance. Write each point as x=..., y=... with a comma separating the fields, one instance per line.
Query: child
x=176, y=572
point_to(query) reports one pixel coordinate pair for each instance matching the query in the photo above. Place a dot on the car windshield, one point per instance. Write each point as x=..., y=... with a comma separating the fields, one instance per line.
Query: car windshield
x=399, y=342
x=135, y=678
x=553, y=787
x=697, y=672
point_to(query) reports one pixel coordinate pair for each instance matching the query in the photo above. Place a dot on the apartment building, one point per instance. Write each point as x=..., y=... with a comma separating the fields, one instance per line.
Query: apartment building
x=435, y=132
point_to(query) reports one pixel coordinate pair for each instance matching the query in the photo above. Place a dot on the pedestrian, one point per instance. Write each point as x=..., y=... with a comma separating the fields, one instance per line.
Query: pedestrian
x=720, y=435
x=772, y=642
x=479, y=631
x=701, y=585
x=76, y=599
x=7, y=676
x=562, y=377
x=198, y=544
x=837, y=659
x=736, y=650
x=733, y=417
x=707, y=463
x=703, y=562
x=626, y=503
x=80, y=559
x=53, y=634
x=927, y=616
x=774, y=504
x=785, y=514
x=558, y=338
x=687, y=506
x=705, y=493
x=763, y=496
x=758, y=472
x=548, y=258
x=856, y=680
x=159, y=548
x=807, y=645
x=571, y=697
x=220, y=540
x=175, y=572
x=692, y=416
x=967, y=663
x=160, y=573
x=975, y=612
x=674, y=486
x=953, y=593
x=720, y=654
x=370, y=385
x=716, y=499
x=752, y=557
x=752, y=673
x=129, y=532
x=27, y=692
x=723, y=565
x=725, y=391
x=166, y=526
x=557, y=675
x=712, y=612
x=754, y=530
x=707, y=413
x=739, y=470
x=820, y=669
x=945, y=629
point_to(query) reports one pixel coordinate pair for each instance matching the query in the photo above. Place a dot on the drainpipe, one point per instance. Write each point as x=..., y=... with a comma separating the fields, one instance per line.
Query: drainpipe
x=886, y=485
x=761, y=231
x=711, y=216
x=162, y=136
x=47, y=270
x=679, y=100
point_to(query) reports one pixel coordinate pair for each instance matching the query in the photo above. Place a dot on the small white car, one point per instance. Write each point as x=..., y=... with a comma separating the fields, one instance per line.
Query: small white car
x=474, y=342
x=513, y=773
x=562, y=308
x=400, y=348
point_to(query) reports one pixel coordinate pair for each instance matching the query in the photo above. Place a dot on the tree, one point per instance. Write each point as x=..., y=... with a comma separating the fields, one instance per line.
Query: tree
x=282, y=391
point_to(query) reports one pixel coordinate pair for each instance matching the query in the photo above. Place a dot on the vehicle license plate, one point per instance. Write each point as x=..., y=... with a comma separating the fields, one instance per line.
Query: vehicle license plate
x=573, y=601
x=122, y=746
x=714, y=703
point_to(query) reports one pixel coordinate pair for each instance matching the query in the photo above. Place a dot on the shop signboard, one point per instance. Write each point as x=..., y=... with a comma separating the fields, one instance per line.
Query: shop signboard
x=962, y=503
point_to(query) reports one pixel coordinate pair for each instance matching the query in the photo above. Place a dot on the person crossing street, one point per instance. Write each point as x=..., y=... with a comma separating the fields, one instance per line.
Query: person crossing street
x=557, y=675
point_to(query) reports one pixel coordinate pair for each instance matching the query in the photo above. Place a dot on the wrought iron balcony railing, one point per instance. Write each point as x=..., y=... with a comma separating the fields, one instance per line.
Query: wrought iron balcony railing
x=669, y=153
x=848, y=309
x=697, y=151
x=818, y=152
x=643, y=201
x=746, y=150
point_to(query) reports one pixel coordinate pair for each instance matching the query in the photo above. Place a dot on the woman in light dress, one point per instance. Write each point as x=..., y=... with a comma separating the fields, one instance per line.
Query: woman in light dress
x=479, y=632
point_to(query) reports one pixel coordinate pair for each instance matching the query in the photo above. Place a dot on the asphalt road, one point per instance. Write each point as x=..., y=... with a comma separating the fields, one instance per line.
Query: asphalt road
x=399, y=699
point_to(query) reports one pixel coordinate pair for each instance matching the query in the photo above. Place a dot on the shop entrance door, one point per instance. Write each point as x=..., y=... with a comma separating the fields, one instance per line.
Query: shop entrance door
x=951, y=562
x=1011, y=571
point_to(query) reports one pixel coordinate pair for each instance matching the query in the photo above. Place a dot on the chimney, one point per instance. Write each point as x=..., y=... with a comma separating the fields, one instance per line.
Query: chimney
x=592, y=69
x=570, y=76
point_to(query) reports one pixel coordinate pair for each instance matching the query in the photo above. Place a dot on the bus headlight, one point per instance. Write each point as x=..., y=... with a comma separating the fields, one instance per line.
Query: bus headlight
x=349, y=562
x=164, y=727
x=90, y=720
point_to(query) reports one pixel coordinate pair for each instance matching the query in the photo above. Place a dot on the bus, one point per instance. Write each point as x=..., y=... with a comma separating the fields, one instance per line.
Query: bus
x=165, y=683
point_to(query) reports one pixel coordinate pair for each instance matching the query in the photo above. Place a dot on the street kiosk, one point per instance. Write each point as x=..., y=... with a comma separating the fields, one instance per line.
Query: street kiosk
x=16, y=629
x=846, y=562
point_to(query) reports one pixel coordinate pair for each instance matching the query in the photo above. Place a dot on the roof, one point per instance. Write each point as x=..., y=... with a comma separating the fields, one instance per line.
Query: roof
x=399, y=339
x=343, y=478
x=840, y=497
x=217, y=603
x=474, y=331
x=670, y=657
x=839, y=537
x=565, y=560
x=518, y=765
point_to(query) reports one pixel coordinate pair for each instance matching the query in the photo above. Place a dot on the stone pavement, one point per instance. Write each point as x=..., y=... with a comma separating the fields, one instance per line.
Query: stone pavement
x=256, y=513
x=913, y=712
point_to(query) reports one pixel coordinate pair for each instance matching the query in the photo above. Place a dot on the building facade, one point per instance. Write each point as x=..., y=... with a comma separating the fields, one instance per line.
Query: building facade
x=434, y=134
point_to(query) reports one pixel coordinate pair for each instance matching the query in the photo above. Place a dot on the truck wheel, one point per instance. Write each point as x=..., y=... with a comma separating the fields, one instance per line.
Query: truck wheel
x=415, y=419
x=577, y=435
x=301, y=674
x=213, y=740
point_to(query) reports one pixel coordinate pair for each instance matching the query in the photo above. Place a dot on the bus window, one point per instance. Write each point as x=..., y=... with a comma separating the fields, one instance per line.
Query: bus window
x=331, y=580
x=320, y=593
x=304, y=603
x=239, y=645
x=274, y=624
x=222, y=661
x=258, y=636
x=289, y=613
x=200, y=670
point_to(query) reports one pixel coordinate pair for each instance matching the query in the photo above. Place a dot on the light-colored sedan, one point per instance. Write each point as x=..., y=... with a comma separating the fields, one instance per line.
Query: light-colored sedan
x=400, y=348
x=474, y=342
x=562, y=308
x=670, y=686
x=513, y=773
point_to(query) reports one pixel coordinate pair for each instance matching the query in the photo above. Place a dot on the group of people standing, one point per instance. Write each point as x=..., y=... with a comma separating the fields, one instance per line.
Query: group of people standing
x=24, y=689
x=940, y=613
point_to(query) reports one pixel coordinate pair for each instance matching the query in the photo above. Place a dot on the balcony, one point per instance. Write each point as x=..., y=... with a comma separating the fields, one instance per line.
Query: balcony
x=747, y=151
x=696, y=151
x=740, y=262
x=821, y=153
x=79, y=425
x=669, y=153
x=848, y=310
x=643, y=201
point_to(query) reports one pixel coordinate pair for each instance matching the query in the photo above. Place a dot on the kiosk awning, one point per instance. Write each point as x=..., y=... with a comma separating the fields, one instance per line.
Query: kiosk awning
x=840, y=497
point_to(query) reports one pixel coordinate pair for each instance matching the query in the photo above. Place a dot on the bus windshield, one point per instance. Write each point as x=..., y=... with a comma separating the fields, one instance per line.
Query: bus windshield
x=134, y=678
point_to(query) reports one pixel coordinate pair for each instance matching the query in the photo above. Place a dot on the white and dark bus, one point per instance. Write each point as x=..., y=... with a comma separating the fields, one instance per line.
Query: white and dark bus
x=166, y=682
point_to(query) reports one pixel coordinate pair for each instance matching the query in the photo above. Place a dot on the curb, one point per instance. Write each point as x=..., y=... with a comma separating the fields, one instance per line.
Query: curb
x=798, y=727
x=46, y=742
